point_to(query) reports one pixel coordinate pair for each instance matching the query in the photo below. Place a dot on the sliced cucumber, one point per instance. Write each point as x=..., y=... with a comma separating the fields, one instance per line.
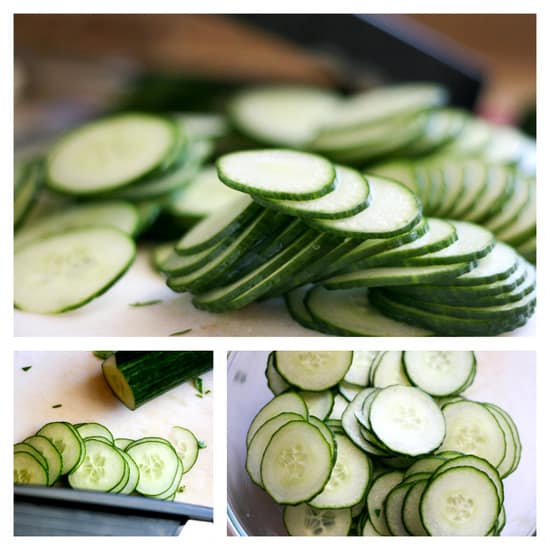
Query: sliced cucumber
x=110, y=153
x=27, y=184
x=349, y=479
x=51, y=454
x=412, y=520
x=393, y=210
x=65, y=271
x=458, y=502
x=28, y=470
x=389, y=371
x=275, y=382
x=277, y=173
x=281, y=115
x=26, y=448
x=286, y=402
x=93, y=429
x=103, y=468
x=376, y=498
x=440, y=373
x=296, y=464
x=361, y=366
x=407, y=420
x=187, y=446
x=349, y=196
x=158, y=465
x=133, y=475
x=67, y=441
x=393, y=509
x=303, y=520
x=319, y=403
x=123, y=442
x=313, y=370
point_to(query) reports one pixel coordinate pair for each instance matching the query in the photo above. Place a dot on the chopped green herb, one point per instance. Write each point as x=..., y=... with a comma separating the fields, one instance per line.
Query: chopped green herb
x=25, y=369
x=57, y=406
x=149, y=303
x=197, y=382
x=202, y=444
x=181, y=488
x=181, y=332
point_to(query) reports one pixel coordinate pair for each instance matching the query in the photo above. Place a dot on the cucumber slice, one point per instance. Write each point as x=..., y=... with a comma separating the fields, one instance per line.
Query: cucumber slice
x=294, y=302
x=340, y=404
x=313, y=370
x=349, y=196
x=383, y=103
x=296, y=464
x=473, y=242
x=277, y=173
x=517, y=441
x=390, y=276
x=187, y=446
x=458, y=502
x=326, y=431
x=174, y=486
x=110, y=153
x=507, y=463
x=425, y=465
x=360, y=368
x=472, y=429
x=376, y=498
x=93, y=429
x=158, y=465
x=28, y=470
x=393, y=210
x=318, y=403
x=348, y=480
x=173, y=264
x=259, y=442
x=348, y=389
x=51, y=454
x=412, y=520
x=369, y=530
x=67, y=441
x=27, y=184
x=65, y=271
x=102, y=469
x=286, y=402
x=281, y=115
x=407, y=420
x=26, y=448
x=349, y=419
x=473, y=181
x=389, y=370
x=525, y=225
x=303, y=520
x=349, y=313
x=439, y=373
x=275, y=382
x=218, y=225
x=120, y=215
x=190, y=204
x=393, y=509
x=133, y=475
x=123, y=442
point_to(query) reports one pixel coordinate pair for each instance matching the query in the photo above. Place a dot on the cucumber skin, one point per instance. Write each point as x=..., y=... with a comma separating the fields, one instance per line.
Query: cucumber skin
x=153, y=373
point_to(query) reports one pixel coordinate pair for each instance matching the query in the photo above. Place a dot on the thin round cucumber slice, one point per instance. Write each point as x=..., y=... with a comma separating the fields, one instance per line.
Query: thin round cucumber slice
x=439, y=373
x=424, y=465
x=361, y=365
x=277, y=173
x=102, y=469
x=349, y=478
x=93, y=429
x=27, y=184
x=133, y=475
x=393, y=209
x=187, y=446
x=123, y=442
x=304, y=521
x=383, y=103
x=51, y=454
x=296, y=464
x=318, y=403
x=326, y=431
x=393, y=509
x=165, y=495
x=65, y=271
x=515, y=432
x=369, y=530
x=349, y=196
x=480, y=464
x=259, y=442
x=460, y=502
x=26, y=448
x=313, y=370
x=110, y=153
x=389, y=370
x=158, y=464
x=350, y=425
x=507, y=463
x=376, y=498
x=412, y=520
x=282, y=115
x=285, y=402
x=407, y=420
x=350, y=313
x=275, y=382
x=472, y=429
x=27, y=470
x=67, y=441
x=218, y=225
x=294, y=302
x=118, y=214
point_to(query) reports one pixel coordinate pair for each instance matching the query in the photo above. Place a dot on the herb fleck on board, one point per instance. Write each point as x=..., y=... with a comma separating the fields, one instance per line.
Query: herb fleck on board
x=57, y=406
x=27, y=368
x=181, y=332
x=143, y=304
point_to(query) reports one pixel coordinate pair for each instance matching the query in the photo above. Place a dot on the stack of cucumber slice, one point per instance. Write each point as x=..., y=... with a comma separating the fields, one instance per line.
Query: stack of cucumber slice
x=381, y=443
x=87, y=456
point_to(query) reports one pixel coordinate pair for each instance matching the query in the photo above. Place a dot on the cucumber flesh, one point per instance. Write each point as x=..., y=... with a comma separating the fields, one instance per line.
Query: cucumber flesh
x=67, y=441
x=28, y=470
x=303, y=520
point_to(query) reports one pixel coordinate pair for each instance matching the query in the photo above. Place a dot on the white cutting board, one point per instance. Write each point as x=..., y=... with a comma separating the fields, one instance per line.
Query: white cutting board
x=112, y=315
x=74, y=380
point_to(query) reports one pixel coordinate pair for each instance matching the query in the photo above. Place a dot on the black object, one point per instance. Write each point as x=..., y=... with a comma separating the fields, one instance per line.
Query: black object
x=381, y=49
x=55, y=511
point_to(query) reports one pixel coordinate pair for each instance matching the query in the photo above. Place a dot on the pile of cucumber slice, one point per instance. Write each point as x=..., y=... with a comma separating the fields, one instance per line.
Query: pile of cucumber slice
x=384, y=213
x=87, y=456
x=381, y=443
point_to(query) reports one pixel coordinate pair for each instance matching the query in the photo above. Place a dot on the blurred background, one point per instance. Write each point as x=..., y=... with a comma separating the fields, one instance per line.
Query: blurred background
x=71, y=67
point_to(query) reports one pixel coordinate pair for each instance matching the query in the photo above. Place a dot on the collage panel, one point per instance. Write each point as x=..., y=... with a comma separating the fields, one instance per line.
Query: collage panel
x=381, y=443
x=113, y=443
x=282, y=196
